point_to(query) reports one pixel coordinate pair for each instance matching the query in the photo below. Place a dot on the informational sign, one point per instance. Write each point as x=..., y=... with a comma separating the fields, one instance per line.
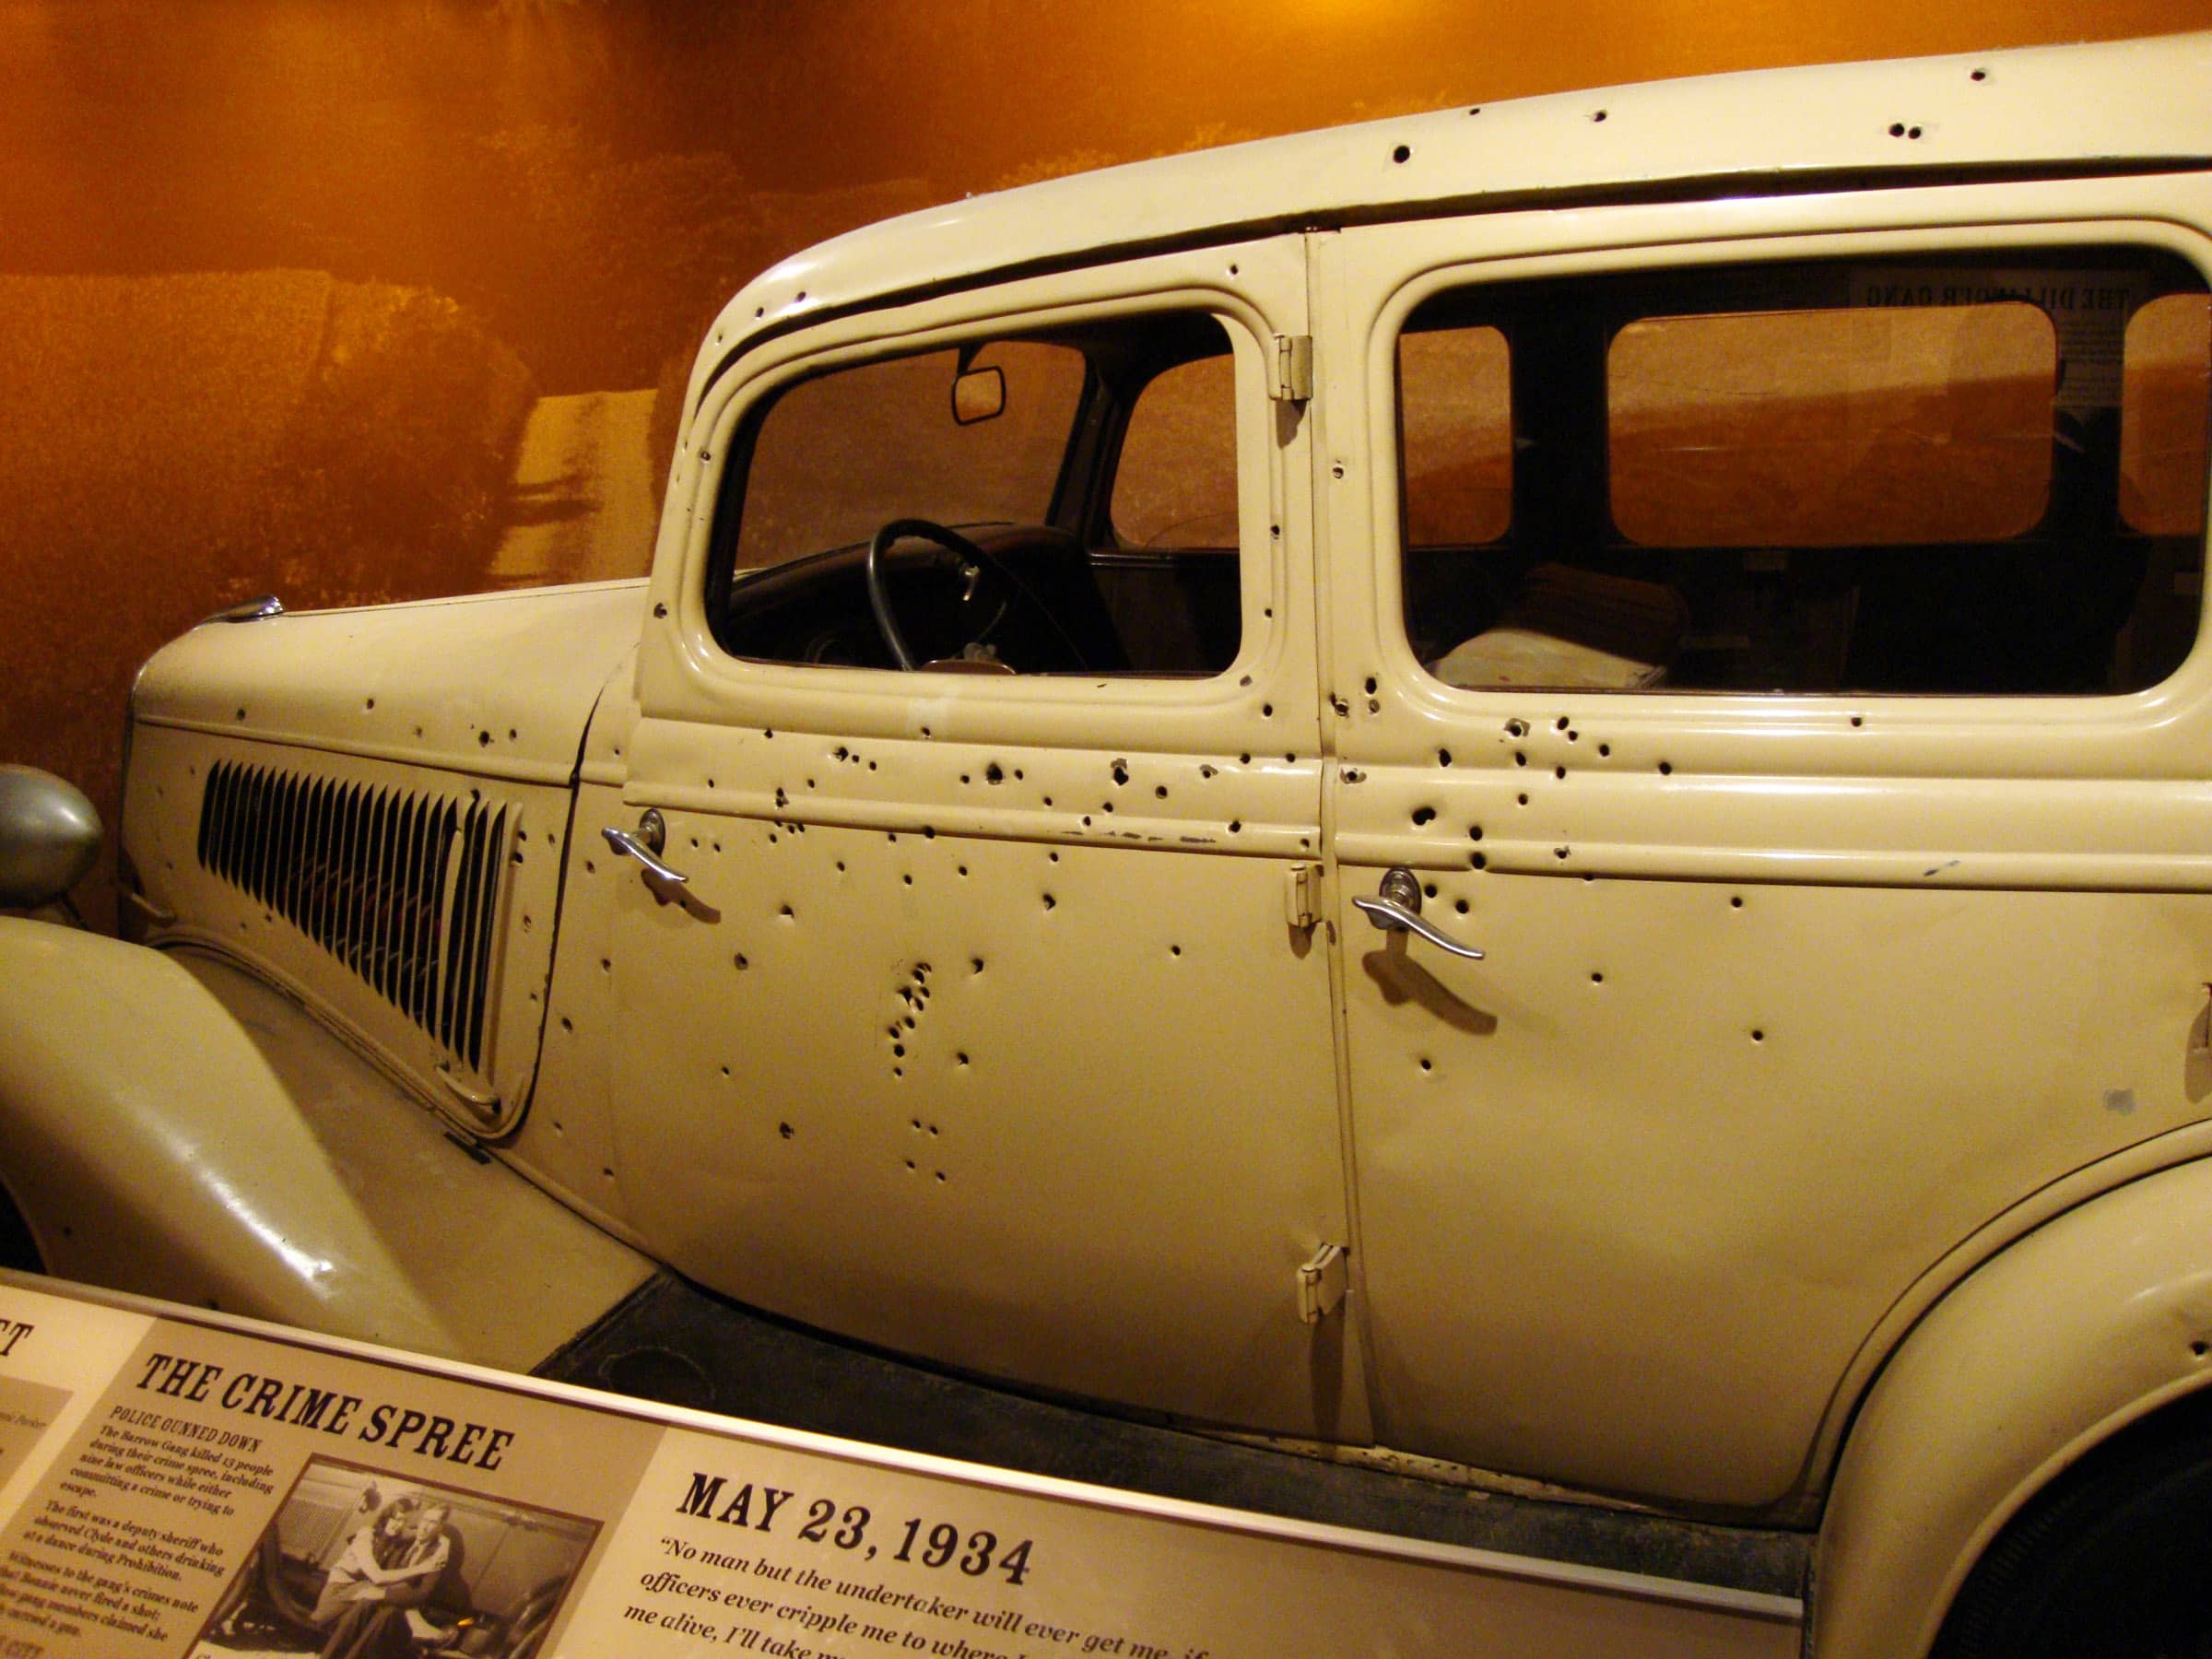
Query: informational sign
x=175, y=1483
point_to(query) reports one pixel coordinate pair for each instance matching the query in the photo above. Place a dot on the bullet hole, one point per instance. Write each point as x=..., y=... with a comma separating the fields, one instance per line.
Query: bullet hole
x=841, y=753
x=1245, y=680
x=786, y=913
x=590, y=868
x=1603, y=749
x=1018, y=774
x=2198, y=1348
x=418, y=731
x=1050, y=902
x=891, y=835
x=1402, y=154
x=1371, y=685
x=1086, y=820
x=1666, y=768
x=1048, y=800
x=1205, y=772
x=1982, y=75
x=1598, y=115
x=1559, y=851
x=768, y=732
x=1519, y=800
x=695, y=843
x=1269, y=611
x=1427, y=1063
x=963, y=869
x=1561, y=723
x=1736, y=901
x=959, y=1059
x=1337, y=470
x=1422, y=815
x=1266, y=711
x=1460, y=905
x=908, y=880
x=1757, y=1036
x=975, y=964
x=370, y=704
x=1160, y=792
x=910, y=1163
x=871, y=766
x=1051, y=858
x=940, y=1175
x=1858, y=720
x=1597, y=979
x=567, y=1024
x=660, y=610
x=1121, y=771
x=785, y=1130
x=898, y=1051
x=992, y=775
x=1516, y=728
x=1374, y=706
x=1429, y=889
x=725, y=1071
x=1236, y=826
x=840, y=866
x=1243, y=759
x=1443, y=757
x=511, y=735
x=1559, y=773
x=607, y=964
x=483, y=738
x=1520, y=758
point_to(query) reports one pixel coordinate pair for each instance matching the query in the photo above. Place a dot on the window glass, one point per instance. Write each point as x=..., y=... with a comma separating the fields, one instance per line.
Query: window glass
x=1972, y=473
x=1456, y=460
x=1824, y=428
x=1176, y=485
x=948, y=511
x=842, y=454
x=2165, y=390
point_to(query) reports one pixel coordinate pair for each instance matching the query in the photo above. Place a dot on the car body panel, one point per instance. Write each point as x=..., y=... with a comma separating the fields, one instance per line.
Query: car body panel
x=244, y=1159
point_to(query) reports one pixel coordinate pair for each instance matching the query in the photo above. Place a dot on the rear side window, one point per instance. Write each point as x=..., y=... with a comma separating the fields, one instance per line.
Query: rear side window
x=1951, y=476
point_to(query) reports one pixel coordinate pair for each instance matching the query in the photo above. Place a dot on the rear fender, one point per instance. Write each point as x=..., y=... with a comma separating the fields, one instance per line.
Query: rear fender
x=2088, y=1323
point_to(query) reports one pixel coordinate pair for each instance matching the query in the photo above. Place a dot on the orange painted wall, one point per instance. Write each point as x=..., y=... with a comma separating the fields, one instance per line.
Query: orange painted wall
x=407, y=218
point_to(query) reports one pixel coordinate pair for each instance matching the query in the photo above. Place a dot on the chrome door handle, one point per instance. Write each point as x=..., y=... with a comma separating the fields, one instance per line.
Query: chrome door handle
x=645, y=845
x=1396, y=908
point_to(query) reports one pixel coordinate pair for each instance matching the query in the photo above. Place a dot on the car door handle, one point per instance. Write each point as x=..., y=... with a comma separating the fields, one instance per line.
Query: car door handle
x=1396, y=908
x=645, y=845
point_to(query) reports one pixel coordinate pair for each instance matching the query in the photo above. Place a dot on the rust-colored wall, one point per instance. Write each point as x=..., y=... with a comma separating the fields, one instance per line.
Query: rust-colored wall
x=404, y=220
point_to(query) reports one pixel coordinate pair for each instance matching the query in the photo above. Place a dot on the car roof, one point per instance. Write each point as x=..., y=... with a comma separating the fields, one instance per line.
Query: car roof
x=2033, y=108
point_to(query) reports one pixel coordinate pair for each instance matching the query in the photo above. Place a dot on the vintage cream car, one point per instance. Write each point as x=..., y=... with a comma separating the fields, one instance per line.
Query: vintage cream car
x=1528, y=785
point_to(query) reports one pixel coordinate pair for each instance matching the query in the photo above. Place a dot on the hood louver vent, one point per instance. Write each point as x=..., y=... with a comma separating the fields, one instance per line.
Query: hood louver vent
x=400, y=886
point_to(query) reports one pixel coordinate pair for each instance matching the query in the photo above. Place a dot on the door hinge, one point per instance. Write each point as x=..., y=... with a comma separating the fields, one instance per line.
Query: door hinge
x=1291, y=378
x=1321, y=1284
x=1298, y=896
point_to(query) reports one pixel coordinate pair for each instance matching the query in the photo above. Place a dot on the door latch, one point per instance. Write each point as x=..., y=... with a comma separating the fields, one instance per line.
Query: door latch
x=1396, y=908
x=1298, y=897
x=1321, y=1284
x=646, y=846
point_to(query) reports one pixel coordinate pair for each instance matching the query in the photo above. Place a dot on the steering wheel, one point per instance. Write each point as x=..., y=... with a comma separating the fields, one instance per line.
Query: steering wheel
x=976, y=560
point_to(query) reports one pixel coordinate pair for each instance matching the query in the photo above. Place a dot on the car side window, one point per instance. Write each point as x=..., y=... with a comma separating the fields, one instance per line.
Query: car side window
x=955, y=510
x=1975, y=474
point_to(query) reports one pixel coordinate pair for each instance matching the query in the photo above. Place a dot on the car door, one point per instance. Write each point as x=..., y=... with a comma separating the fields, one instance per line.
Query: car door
x=984, y=1028
x=1764, y=632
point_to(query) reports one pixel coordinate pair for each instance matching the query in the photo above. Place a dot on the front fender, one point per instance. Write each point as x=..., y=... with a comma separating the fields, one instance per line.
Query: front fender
x=2085, y=1325
x=226, y=1151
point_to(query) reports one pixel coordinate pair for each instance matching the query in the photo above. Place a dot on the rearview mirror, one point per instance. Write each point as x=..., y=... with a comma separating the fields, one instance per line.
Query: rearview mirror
x=979, y=394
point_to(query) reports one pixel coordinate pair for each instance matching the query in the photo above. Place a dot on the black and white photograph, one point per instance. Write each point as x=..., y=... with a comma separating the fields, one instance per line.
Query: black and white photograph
x=360, y=1565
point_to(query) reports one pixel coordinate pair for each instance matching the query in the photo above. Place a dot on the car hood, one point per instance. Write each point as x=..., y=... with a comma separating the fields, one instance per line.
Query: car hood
x=498, y=685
